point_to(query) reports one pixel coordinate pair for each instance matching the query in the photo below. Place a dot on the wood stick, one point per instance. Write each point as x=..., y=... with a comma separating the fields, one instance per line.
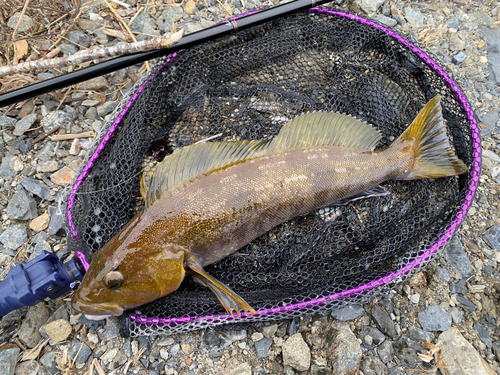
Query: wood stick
x=89, y=55
x=65, y=137
x=45, y=135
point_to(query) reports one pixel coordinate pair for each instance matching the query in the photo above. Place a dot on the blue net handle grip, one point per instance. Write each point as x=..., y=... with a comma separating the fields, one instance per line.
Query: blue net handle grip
x=40, y=278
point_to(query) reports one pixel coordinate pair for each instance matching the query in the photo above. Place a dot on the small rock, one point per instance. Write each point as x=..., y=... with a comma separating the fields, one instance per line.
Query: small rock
x=415, y=298
x=37, y=188
x=25, y=24
x=11, y=319
x=458, y=260
x=490, y=120
x=111, y=329
x=342, y=347
x=375, y=335
x=296, y=353
x=257, y=336
x=24, y=124
x=471, y=307
x=453, y=23
x=484, y=335
x=320, y=370
x=373, y=366
x=383, y=321
x=80, y=352
x=40, y=223
x=456, y=43
x=242, y=369
x=14, y=236
x=293, y=328
x=262, y=347
x=233, y=336
x=269, y=331
x=493, y=237
x=60, y=313
x=369, y=6
x=8, y=360
x=383, y=20
x=35, y=318
x=58, y=330
x=442, y=273
x=349, y=312
x=21, y=206
x=57, y=220
x=63, y=176
x=459, y=286
x=460, y=355
x=459, y=58
x=163, y=353
x=418, y=334
x=47, y=166
x=211, y=339
x=386, y=351
x=434, y=318
x=53, y=119
x=95, y=84
x=7, y=122
x=496, y=349
x=75, y=147
x=76, y=36
x=26, y=368
x=172, y=14
x=109, y=355
x=414, y=17
x=107, y=108
x=48, y=361
x=189, y=7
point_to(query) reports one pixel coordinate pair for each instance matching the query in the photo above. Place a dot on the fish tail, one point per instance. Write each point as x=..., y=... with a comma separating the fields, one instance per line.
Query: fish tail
x=434, y=156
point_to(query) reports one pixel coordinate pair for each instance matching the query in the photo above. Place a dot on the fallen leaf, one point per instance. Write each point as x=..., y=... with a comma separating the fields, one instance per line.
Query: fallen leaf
x=20, y=50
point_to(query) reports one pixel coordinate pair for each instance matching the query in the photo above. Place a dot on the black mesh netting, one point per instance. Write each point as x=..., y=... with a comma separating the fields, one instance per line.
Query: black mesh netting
x=247, y=86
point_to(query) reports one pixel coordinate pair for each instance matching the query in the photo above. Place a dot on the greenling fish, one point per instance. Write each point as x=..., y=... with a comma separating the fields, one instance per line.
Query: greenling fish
x=206, y=201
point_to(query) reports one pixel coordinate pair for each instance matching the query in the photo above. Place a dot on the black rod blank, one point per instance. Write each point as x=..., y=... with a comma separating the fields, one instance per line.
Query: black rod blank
x=187, y=41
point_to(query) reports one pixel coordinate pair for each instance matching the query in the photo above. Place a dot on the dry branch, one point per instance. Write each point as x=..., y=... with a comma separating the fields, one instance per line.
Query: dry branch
x=89, y=55
x=65, y=137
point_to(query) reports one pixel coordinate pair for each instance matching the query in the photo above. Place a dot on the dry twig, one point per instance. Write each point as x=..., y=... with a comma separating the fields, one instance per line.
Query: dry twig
x=89, y=55
x=66, y=137
x=14, y=33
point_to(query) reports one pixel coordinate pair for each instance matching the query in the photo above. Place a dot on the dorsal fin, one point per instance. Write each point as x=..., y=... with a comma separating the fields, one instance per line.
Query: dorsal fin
x=311, y=130
x=325, y=129
x=190, y=162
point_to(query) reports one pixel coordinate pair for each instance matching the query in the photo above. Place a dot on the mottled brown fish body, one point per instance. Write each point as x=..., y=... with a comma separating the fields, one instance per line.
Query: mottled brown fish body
x=204, y=202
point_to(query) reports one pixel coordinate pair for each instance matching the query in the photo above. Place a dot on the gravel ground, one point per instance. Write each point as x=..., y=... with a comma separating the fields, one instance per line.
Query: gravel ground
x=445, y=319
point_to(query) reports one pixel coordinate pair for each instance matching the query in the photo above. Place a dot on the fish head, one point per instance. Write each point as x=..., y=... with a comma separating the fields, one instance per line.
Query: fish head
x=119, y=279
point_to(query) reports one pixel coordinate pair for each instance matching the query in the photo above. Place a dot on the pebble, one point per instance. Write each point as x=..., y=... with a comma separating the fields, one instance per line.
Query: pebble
x=47, y=166
x=35, y=318
x=14, y=236
x=293, y=328
x=349, y=312
x=63, y=176
x=242, y=369
x=48, y=360
x=24, y=124
x=383, y=20
x=484, y=335
x=459, y=58
x=233, y=336
x=342, y=347
x=493, y=237
x=7, y=122
x=459, y=286
x=269, y=331
x=470, y=306
x=26, y=368
x=257, y=336
x=189, y=7
x=460, y=355
x=8, y=360
x=25, y=24
x=373, y=366
x=76, y=36
x=371, y=336
x=211, y=339
x=80, y=353
x=53, y=119
x=40, y=223
x=369, y=6
x=296, y=353
x=21, y=206
x=107, y=108
x=95, y=84
x=458, y=260
x=383, y=321
x=37, y=188
x=386, y=351
x=262, y=347
x=58, y=330
x=415, y=298
x=434, y=318
x=414, y=17
x=496, y=349
x=418, y=335
x=57, y=220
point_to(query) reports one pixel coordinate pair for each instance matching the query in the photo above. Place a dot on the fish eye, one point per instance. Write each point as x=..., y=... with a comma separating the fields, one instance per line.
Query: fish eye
x=113, y=280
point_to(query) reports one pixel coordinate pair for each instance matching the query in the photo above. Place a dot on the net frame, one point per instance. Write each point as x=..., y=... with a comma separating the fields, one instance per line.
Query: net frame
x=140, y=324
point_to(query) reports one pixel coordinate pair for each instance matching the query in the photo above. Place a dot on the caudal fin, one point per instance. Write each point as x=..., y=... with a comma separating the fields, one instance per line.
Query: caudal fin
x=434, y=154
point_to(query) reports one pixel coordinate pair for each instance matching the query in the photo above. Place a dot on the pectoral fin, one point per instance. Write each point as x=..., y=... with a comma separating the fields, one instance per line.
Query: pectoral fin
x=228, y=299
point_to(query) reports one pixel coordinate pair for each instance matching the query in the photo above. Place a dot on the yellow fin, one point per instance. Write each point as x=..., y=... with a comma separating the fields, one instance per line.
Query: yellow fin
x=325, y=129
x=193, y=161
x=434, y=154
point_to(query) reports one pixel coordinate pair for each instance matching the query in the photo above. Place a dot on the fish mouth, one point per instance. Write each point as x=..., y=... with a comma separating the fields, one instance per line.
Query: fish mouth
x=104, y=309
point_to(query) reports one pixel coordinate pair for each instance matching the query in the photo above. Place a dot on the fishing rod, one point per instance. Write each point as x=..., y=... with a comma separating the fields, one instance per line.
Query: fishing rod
x=227, y=27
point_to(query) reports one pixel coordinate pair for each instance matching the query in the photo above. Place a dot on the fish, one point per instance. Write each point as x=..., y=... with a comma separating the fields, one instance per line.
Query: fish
x=203, y=202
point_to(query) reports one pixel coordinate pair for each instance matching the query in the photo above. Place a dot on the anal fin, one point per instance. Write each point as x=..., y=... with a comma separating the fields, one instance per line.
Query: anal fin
x=377, y=191
x=228, y=299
